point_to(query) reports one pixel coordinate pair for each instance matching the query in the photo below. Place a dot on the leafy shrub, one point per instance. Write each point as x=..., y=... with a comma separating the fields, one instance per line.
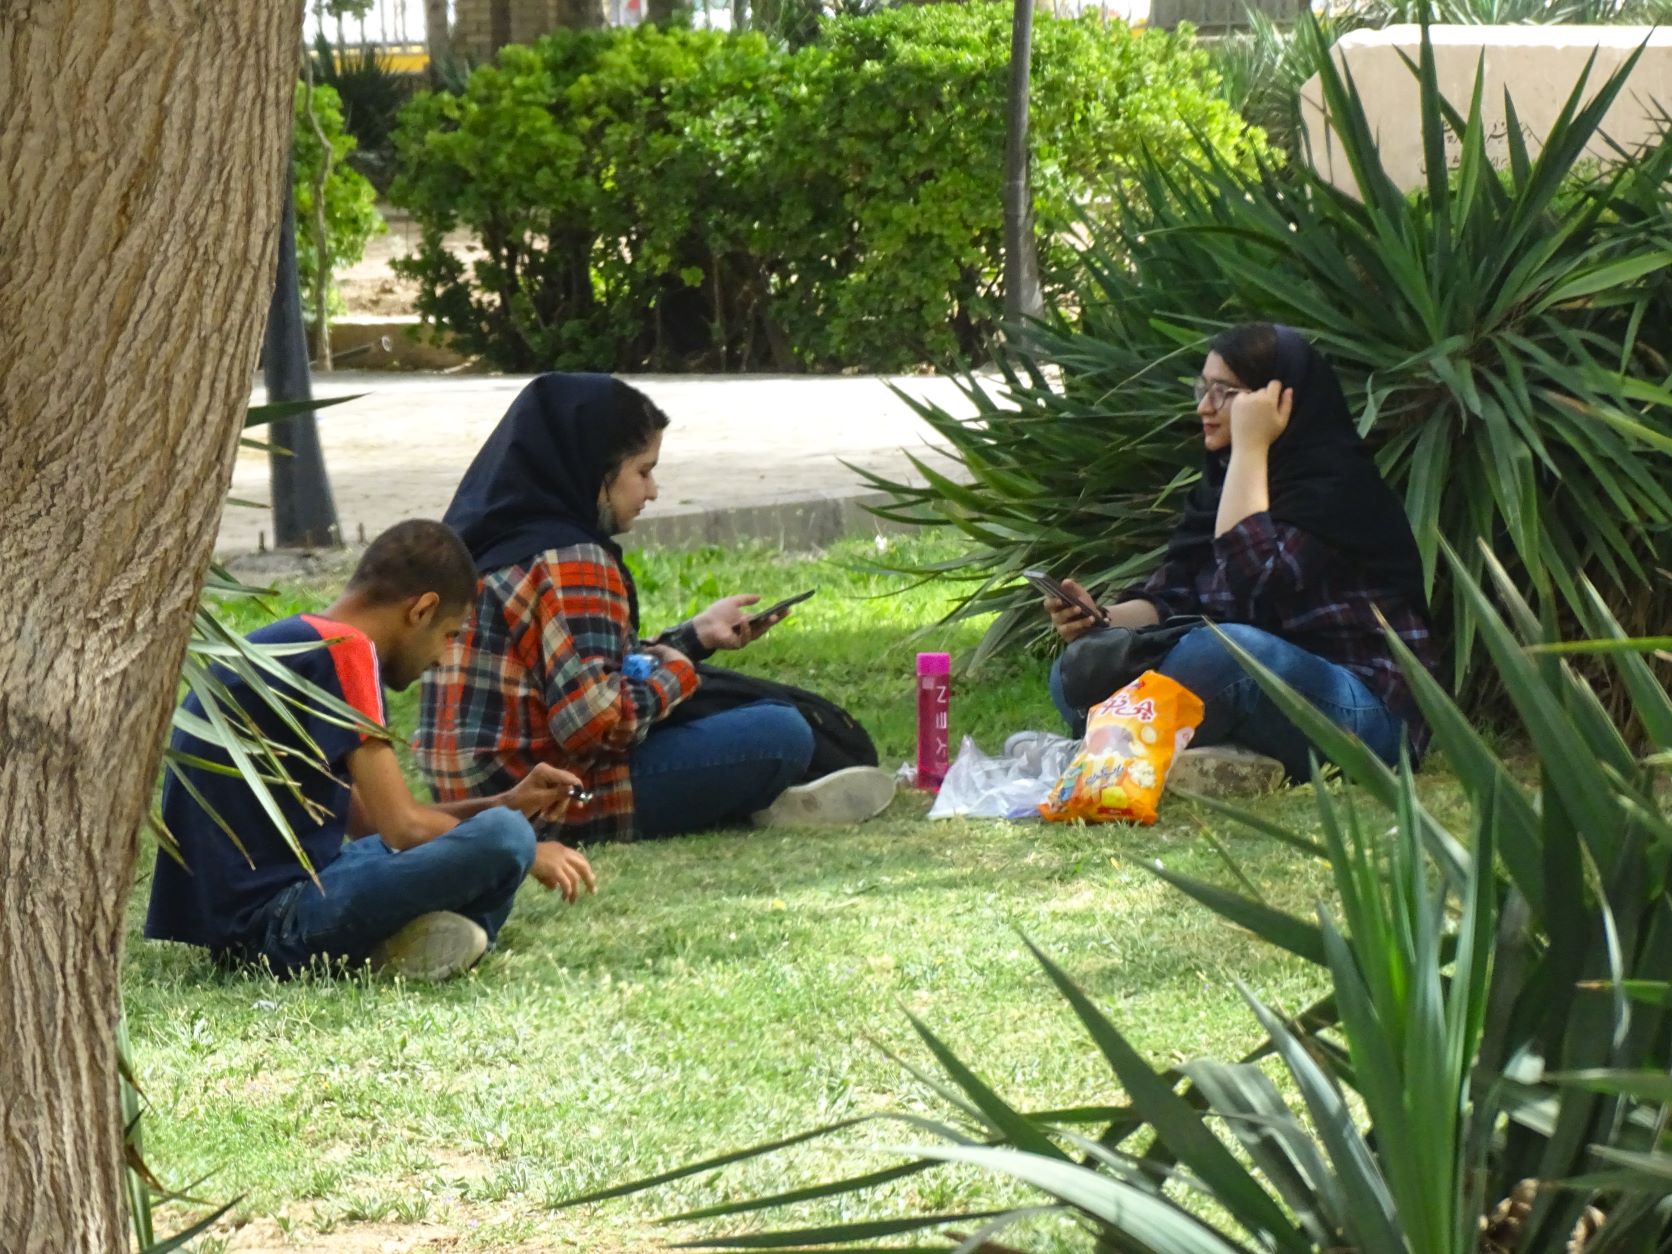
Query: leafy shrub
x=351, y=216
x=900, y=138
x=1505, y=335
x=674, y=197
x=547, y=158
x=1495, y=1030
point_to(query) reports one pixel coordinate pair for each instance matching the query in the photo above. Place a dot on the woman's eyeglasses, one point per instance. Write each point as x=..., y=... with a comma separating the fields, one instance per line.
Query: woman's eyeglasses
x=1215, y=392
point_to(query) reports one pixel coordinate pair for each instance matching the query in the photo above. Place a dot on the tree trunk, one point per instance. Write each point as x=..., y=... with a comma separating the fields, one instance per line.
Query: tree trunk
x=140, y=167
x=438, y=36
x=581, y=14
x=304, y=511
x=660, y=12
x=1022, y=298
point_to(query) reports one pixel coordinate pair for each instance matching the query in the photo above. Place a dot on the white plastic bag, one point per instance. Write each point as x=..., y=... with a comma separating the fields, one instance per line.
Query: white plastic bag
x=1010, y=786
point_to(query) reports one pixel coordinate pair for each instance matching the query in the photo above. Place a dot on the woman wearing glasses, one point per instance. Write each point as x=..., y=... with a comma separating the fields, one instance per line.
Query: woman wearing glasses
x=1297, y=549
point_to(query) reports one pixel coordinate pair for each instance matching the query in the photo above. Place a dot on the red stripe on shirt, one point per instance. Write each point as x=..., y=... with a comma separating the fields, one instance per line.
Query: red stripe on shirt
x=355, y=658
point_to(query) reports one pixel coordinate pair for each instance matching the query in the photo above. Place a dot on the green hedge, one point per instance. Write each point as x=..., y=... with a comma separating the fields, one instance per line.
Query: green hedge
x=674, y=199
x=351, y=216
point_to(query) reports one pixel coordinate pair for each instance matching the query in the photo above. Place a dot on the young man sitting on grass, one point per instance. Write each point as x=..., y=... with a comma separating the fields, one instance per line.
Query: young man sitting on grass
x=422, y=890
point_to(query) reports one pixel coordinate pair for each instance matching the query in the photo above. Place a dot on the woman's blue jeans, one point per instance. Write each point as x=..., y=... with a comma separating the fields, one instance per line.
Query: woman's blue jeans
x=1236, y=711
x=717, y=771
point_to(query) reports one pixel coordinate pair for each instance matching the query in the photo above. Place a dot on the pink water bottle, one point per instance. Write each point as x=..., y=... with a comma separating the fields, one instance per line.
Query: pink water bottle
x=934, y=693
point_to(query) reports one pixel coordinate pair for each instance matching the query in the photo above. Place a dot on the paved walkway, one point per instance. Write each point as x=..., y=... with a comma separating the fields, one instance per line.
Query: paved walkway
x=745, y=455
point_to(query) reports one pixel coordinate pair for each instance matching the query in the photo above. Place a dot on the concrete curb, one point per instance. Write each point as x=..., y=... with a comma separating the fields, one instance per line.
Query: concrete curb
x=791, y=526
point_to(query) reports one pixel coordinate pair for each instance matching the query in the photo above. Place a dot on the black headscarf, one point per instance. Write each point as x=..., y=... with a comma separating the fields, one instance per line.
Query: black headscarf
x=534, y=484
x=1322, y=479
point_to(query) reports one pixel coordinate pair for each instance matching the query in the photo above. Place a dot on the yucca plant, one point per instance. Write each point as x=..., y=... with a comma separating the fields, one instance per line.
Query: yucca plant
x=1502, y=332
x=1262, y=70
x=1512, y=12
x=215, y=655
x=1489, y=1069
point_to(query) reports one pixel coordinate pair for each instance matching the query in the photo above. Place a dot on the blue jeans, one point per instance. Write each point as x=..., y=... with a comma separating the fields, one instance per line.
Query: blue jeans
x=1236, y=711
x=371, y=892
x=718, y=770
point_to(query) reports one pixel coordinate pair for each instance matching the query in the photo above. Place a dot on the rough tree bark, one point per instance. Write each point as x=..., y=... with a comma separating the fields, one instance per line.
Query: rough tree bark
x=140, y=165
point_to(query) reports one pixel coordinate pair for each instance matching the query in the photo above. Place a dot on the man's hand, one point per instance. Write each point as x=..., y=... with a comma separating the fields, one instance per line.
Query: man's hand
x=542, y=794
x=1260, y=416
x=1069, y=619
x=724, y=625
x=564, y=869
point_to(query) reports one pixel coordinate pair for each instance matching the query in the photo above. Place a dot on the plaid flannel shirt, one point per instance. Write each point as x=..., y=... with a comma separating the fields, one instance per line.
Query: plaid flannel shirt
x=536, y=676
x=1286, y=581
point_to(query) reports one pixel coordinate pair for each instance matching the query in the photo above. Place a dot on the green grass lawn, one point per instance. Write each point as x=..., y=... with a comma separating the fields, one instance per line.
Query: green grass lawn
x=718, y=991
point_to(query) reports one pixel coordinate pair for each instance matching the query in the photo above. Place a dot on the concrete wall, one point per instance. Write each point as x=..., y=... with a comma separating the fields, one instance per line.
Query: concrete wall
x=1538, y=65
x=1219, y=15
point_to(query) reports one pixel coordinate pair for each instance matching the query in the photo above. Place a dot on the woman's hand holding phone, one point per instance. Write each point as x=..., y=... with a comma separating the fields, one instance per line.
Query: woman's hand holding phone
x=725, y=625
x=1071, y=620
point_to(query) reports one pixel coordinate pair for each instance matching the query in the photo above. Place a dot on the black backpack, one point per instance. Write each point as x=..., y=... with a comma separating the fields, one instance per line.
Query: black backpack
x=838, y=740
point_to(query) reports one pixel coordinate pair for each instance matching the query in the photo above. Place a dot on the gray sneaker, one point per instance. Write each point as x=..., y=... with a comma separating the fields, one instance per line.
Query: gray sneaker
x=836, y=800
x=432, y=947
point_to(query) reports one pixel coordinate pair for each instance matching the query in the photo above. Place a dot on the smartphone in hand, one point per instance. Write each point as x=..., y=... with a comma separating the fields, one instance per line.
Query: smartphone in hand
x=1051, y=588
x=768, y=615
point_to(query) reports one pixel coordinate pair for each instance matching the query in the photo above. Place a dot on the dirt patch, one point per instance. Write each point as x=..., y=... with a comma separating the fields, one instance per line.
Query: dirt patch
x=384, y=296
x=266, y=1236
x=371, y=287
x=297, y=1233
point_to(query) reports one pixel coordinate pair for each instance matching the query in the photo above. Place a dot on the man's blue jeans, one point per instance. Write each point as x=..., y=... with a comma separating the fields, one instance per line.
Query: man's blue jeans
x=371, y=892
x=1237, y=712
x=718, y=770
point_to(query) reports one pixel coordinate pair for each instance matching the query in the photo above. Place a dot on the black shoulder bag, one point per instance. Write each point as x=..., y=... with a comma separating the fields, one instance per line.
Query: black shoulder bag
x=1106, y=659
x=838, y=740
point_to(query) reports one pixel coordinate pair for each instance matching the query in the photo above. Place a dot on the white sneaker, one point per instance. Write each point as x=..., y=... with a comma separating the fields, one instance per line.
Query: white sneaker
x=836, y=800
x=432, y=947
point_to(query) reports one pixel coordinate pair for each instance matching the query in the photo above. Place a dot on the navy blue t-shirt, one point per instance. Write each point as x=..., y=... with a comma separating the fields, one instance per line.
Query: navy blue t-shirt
x=214, y=904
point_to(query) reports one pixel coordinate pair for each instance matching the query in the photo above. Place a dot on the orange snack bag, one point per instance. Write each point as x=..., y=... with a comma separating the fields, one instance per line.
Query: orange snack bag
x=1131, y=740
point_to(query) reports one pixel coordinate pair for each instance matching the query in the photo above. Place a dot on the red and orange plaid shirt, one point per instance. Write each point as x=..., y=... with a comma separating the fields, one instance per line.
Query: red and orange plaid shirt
x=537, y=676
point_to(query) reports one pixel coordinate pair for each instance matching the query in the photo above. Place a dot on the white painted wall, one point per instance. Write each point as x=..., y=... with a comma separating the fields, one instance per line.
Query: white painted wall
x=1538, y=65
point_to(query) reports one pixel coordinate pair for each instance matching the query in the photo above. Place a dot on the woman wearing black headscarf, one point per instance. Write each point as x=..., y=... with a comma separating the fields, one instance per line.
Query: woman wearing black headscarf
x=1295, y=546
x=551, y=667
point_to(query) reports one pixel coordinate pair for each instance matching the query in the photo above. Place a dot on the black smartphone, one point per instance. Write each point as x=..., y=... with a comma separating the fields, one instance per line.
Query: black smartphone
x=766, y=616
x=1051, y=588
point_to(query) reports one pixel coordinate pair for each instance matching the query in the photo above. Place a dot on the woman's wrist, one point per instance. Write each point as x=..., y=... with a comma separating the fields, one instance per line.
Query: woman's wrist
x=1247, y=488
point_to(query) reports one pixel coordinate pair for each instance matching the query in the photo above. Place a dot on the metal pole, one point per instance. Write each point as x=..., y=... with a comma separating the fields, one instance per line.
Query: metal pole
x=1022, y=296
x=304, y=515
